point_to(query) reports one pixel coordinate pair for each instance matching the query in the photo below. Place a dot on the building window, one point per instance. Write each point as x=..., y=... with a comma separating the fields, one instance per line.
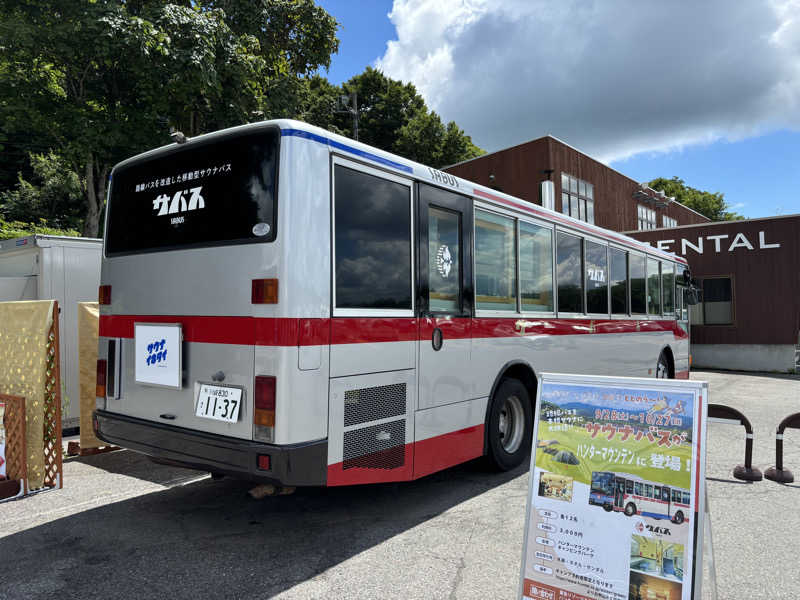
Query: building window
x=668, y=221
x=577, y=198
x=717, y=301
x=647, y=218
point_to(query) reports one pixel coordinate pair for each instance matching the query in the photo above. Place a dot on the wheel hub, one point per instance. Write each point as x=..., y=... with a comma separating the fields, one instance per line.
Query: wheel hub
x=511, y=424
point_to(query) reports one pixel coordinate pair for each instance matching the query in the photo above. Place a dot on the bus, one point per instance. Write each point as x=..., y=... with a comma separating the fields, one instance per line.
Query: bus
x=633, y=495
x=290, y=306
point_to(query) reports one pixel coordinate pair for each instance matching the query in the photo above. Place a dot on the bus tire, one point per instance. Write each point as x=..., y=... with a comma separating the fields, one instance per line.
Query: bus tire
x=678, y=518
x=510, y=425
x=630, y=509
x=608, y=507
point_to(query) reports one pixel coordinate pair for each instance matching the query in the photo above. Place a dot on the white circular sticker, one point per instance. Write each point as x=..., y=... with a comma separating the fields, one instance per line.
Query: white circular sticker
x=444, y=261
x=261, y=229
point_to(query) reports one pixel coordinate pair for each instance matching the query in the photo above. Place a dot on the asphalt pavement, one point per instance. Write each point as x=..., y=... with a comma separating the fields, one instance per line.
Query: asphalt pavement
x=126, y=528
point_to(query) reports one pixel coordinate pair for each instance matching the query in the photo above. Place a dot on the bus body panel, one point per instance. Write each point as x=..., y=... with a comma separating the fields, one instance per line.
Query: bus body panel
x=445, y=375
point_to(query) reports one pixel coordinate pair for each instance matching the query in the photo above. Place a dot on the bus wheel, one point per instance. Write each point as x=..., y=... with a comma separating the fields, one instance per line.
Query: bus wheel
x=662, y=368
x=510, y=425
x=608, y=507
x=630, y=509
x=678, y=518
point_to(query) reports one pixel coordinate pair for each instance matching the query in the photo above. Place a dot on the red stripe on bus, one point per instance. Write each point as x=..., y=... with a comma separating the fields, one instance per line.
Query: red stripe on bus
x=420, y=459
x=264, y=331
x=443, y=451
x=358, y=330
x=556, y=217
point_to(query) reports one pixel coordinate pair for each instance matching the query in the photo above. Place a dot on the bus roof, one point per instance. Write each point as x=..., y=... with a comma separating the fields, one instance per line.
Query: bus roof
x=387, y=160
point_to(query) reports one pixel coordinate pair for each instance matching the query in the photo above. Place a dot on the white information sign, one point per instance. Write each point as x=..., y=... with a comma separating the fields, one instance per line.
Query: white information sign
x=617, y=489
x=158, y=354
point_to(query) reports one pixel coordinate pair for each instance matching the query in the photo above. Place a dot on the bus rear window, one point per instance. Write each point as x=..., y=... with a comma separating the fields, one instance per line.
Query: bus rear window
x=219, y=191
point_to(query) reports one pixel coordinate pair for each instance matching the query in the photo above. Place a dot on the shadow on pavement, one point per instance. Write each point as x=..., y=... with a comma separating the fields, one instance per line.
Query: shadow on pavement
x=209, y=539
x=133, y=464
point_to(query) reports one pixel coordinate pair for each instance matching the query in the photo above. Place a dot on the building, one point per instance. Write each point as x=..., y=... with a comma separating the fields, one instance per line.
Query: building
x=748, y=270
x=579, y=186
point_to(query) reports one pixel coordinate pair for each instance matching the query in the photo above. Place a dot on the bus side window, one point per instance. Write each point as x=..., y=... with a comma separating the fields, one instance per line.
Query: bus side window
x=668, y=286
x=536, y=267
x=495, y=262
x=628, y=487
x=569, y=273
x=619, y=281
x=653, y=287
x=686, y=498
x=372, y=242
x=638, y=292
x=596, y=260
x=637, y=488
x=676, y=495
x=657, y=492
x=648, y=490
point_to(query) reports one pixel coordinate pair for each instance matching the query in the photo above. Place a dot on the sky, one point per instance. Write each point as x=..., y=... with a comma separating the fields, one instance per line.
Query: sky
x=708, y=92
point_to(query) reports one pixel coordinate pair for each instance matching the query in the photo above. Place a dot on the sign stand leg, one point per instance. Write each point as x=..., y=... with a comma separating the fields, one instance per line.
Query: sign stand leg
x=709, y=566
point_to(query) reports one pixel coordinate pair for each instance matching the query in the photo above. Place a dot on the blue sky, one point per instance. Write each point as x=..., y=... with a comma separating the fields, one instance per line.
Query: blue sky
x=716, y=108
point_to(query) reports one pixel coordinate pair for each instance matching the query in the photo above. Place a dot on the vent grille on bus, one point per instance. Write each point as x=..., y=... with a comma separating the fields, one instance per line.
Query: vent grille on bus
x=374, y=403
x=379, y=446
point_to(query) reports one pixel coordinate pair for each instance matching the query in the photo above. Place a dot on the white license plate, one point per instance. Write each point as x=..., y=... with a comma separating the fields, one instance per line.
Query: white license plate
x=219, y=403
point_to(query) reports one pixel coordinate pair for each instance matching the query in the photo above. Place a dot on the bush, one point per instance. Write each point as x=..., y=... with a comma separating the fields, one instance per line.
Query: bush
x=17, y=229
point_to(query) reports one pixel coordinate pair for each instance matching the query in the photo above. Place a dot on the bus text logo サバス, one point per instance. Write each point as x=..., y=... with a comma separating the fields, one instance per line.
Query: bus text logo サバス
x=178, y=202
x=444, y=261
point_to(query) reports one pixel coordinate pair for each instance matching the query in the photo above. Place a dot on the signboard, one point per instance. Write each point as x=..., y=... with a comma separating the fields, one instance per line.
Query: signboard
x=617, y=496
x=158, y=354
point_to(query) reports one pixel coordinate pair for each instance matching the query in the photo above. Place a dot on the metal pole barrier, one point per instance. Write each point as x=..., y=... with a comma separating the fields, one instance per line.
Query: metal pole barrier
x=778, y=473
x=719, y=413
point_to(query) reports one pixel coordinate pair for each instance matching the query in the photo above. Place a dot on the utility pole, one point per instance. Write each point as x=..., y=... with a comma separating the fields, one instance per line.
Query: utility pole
x=349, y=104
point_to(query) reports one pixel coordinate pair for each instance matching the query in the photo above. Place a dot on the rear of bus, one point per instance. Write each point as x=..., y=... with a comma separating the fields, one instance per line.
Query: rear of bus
x=211, y=318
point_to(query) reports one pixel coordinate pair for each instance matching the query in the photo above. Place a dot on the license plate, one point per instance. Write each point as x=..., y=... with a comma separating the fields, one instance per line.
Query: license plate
x=219, y=403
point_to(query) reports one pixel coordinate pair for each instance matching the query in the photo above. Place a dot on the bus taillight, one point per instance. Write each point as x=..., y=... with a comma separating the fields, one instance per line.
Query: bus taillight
x=101, y=378
x=264, y=408
x=104, y=294
x=264, y=291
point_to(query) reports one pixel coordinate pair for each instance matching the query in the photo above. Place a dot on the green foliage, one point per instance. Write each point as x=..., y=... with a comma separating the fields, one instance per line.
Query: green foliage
x=101, y=80
x=17, y=229
x=54, y=196
x=392, y=116
x=709, y=204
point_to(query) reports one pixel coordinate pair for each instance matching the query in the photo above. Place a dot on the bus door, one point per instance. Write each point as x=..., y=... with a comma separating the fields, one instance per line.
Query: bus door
x=619, y=493
x=444, y=297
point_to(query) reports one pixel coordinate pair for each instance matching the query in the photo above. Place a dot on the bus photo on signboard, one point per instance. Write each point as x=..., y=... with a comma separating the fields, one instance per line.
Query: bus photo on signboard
x=289, y=306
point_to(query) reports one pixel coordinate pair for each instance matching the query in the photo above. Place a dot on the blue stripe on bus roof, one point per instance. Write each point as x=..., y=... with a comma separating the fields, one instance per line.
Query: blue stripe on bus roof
x=368, y=155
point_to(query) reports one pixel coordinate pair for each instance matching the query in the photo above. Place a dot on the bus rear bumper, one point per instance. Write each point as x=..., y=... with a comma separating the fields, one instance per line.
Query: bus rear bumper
x=290, y=465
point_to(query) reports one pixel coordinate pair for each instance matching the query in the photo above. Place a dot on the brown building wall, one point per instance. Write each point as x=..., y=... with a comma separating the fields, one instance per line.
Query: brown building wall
x=765, y=281
x=518, y=171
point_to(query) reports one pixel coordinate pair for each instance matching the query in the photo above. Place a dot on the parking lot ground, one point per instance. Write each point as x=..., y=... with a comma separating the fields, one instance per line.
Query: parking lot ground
x=123, y=527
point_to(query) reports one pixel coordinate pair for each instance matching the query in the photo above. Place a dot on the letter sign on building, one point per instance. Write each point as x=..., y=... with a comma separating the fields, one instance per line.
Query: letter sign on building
x=740, y=240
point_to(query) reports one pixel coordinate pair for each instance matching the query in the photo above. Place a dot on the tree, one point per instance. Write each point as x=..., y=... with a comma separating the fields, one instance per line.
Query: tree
x=100, y=80
x=54, y=195
x=709, y=204
x=392, y=116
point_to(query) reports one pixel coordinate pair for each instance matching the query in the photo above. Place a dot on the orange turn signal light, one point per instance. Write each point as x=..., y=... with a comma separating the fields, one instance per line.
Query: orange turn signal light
x=101, y=378
x=264, y=291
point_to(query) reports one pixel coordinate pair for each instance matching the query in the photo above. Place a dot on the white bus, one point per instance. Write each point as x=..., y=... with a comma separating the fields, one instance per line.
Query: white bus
x=636, y=496
x=287, y=305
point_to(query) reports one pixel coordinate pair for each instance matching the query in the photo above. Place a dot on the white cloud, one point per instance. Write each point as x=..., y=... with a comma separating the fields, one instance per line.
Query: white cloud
x=611, y=77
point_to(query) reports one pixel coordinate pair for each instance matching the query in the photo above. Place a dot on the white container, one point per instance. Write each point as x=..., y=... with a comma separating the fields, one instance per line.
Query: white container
x=49, y=267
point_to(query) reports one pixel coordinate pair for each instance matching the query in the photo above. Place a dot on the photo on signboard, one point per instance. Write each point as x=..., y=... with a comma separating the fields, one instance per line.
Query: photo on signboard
x=634, y=495
x=653, y=556
x=557, y=487
x=648, y=587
